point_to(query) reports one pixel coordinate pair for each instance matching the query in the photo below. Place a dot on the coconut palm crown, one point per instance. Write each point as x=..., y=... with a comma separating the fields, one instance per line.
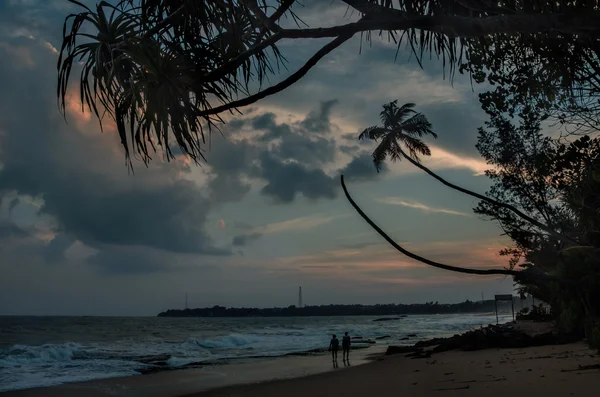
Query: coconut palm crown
x=402, y=126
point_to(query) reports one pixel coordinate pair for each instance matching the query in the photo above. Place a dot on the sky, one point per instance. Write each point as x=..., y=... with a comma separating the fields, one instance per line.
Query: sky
x=80, y=235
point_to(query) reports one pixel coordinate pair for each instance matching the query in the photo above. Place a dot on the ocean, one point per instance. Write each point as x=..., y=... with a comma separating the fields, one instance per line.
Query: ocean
x=46, y=351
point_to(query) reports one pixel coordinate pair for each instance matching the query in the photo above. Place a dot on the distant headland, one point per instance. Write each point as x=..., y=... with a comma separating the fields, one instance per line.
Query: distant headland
x=467, y=306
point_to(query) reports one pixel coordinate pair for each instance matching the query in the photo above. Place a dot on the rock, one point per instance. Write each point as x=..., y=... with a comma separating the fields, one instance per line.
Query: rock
x=383, y=337
x=405, y=338
x=493, y=336
x=412, y=335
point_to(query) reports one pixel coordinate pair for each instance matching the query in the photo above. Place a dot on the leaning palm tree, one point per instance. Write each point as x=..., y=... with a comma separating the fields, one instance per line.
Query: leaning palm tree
x=402, y=126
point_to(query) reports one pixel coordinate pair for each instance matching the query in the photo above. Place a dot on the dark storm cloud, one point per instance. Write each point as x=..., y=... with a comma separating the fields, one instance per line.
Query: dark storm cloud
x=242, y=240
x=236, y=124
x=286, y=180
x=292, y=166
x=361, y=168
x=266, y=122
x=84, y=184
x=313, y=151
x=231, y=162
x=319, y=121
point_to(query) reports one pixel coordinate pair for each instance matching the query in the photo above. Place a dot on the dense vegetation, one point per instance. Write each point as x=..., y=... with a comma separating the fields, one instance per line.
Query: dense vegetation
x=342, y=310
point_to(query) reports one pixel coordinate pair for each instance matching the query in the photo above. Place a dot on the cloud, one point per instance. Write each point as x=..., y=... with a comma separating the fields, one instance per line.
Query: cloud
x=361, y=168
x=54, y=251
x=287, y=180
x=80, y=177
x=293, y=159
x=241, y=240
x=115, y=260
x=9, y=230
x=319, y=121
x=443, y=159
x=419, y=206
x=296, y=224
x=359, y=260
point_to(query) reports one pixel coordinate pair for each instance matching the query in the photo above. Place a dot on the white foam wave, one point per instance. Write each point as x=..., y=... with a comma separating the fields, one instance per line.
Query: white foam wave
x=20, y=354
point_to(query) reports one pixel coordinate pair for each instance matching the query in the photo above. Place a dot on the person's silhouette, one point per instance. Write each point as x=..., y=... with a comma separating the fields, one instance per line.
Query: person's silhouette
x=346, y=347
x=334, y=345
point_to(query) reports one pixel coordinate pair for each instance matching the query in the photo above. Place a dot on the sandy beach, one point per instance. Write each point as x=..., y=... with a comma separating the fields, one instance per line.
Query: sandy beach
x=548, y=370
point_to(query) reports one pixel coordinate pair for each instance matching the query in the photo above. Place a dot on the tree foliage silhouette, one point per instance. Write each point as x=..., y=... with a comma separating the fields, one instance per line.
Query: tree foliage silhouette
x=165, y=71
x=402, y=126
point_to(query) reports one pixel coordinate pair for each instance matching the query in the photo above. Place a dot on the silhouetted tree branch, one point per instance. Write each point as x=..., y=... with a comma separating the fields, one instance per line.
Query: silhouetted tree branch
x=326, y=49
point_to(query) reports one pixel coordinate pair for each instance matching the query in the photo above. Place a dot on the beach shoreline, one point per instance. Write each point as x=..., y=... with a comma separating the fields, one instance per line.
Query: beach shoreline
x=553, y=368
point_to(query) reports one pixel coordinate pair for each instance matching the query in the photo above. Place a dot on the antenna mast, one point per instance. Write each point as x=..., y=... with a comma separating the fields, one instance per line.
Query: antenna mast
x=186, y=301
x=300, y=297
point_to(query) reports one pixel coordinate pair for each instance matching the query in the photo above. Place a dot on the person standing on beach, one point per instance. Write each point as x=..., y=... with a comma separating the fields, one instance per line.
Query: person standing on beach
x=346, y=347
x=334, y=345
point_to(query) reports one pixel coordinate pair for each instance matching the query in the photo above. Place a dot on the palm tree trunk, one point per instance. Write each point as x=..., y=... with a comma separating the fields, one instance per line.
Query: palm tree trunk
x=529, y=219
x=519, y=275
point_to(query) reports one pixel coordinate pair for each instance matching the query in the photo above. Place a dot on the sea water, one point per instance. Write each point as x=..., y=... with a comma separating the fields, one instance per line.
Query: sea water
x=46, y=351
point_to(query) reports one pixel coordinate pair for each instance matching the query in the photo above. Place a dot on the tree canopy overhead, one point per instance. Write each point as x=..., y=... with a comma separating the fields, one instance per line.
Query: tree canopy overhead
x=166, y=70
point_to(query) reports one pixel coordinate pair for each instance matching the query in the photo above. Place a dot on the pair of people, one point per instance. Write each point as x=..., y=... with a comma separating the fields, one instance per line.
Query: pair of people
x=334, y=345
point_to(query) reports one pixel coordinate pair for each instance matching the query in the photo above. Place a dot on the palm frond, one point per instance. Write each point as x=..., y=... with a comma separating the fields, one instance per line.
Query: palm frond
x=373, y=133
x=382, y=151
x=403, y=112
x=154, y=66
x=388, y=114
x=415, y=146
x=418, y=125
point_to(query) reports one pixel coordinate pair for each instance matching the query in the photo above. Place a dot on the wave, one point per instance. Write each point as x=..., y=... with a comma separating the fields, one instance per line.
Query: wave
x=18, y=355
x=229, y=341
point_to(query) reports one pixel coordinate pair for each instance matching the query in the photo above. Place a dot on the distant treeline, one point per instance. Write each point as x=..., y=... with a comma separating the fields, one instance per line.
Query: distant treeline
x=342, y=310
